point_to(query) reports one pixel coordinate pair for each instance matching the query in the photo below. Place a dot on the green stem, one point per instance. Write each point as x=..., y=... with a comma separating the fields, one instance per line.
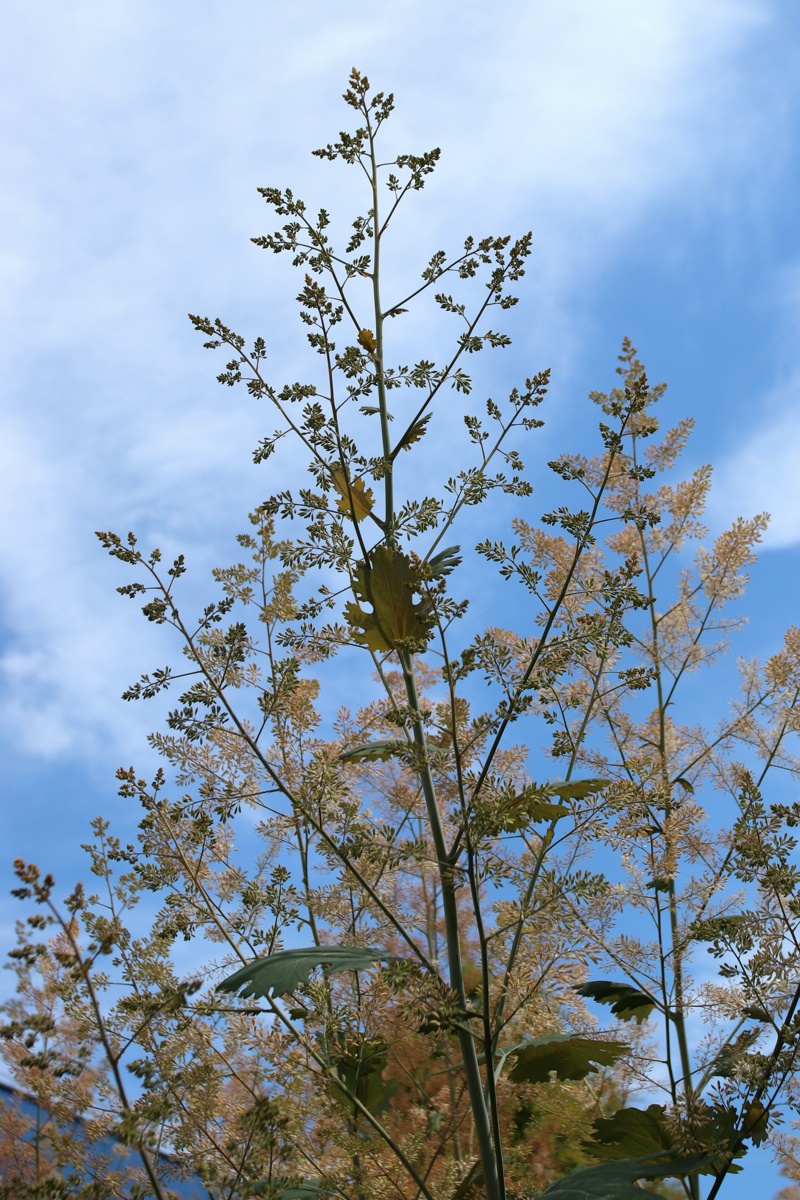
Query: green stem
x=489, y=1154
x=388, y=489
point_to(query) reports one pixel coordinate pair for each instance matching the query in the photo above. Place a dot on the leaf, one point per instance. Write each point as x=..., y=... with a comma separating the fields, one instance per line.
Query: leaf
x=356, y=500
x=306, y=1189
x=629, y=1133
x=371, y=752
x=472, y=1179
x=756, y=1119
x=756, y=1013
x=361, y=1073
x=617, y=1180
x=282, y=973
x=734, y=1055
x=577, y=789
x=532, y=804
x=397, y=621
x=415, y=432
x=626, y=1002
x=443, y=563
x=526, y=811
x=570, y=1056
x=540, y=810
x=660, y=884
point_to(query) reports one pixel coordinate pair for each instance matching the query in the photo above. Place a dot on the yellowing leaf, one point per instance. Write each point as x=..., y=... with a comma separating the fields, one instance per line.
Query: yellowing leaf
x=398, y=621
x=415, y=431
x=756, y=1119
x=366, y=338
x=577, y=789
x=356, y=499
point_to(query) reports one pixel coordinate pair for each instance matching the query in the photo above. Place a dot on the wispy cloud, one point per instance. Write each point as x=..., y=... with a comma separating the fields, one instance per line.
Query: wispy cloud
x=763, y=473
x=137, y=140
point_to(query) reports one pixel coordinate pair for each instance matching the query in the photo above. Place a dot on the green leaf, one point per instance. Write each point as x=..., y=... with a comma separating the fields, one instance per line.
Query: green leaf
x=626, y=1002
x=361, y=1073
x=540, y=810
x=617, y=1180
x=371, y=752
x=629, y=1133
x=734, y=1055
x=397, y=621
x=280, y=974
x=756, y=1013
x=525, y=813
x=533, y=804
x=444, y=562
x=577, y=789
x=660, y=884
x=570, y=1056
x=306, y=1189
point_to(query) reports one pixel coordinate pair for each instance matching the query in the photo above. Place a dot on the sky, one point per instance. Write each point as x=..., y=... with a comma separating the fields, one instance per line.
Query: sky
x=651, y=146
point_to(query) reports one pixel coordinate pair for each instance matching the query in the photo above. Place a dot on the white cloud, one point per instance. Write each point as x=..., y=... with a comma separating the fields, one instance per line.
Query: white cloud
x=763, y=475
x=138, y=138
x=760, y=469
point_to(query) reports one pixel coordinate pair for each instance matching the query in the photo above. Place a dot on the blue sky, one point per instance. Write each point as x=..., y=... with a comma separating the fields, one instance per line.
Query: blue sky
x=651, y=145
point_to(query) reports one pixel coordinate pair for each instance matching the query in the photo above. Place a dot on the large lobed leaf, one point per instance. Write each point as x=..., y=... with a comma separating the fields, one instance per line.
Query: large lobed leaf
x=570, y=1056
x=535, y=803
x=304, y=1189
x=360, y=1072
x=282, y=973
x=398, y=620
x=355, y=498
x=626, y=1002
x=630, y=1133
x=378, y=751
x=617, y=1180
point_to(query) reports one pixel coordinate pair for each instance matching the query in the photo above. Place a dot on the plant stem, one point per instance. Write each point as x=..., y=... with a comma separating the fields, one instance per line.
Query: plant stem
x=490, y=1155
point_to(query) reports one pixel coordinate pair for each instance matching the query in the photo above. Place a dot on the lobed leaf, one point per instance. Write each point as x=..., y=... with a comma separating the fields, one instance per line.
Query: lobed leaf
x=356, y=499
x=397, y=620
x=377, y=751
x=617, y=1180
x=282, y=973
x=629, y=1133
x=415, y=432
x=577, y=789
x=570, y=1056
x=360, y=1071
x=626, y=1002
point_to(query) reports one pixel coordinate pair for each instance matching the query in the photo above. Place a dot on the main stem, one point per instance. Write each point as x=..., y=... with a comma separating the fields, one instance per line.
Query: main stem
x=490, y=1155
x=677, y=1015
